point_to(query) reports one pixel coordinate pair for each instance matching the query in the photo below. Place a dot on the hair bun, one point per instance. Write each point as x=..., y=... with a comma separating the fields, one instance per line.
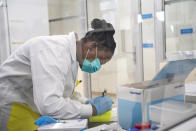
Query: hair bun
x=102, y=34
x=102, y=25
x=98, y=24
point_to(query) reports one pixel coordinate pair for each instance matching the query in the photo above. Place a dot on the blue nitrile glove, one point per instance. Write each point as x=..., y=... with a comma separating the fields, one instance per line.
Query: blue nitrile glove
x=44, y=120
x=101, y=103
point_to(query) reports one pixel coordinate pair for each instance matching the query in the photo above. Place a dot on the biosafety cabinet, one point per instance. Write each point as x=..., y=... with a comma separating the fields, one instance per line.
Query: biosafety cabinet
x=175, y=25
x=136, y=100
x=160, y=101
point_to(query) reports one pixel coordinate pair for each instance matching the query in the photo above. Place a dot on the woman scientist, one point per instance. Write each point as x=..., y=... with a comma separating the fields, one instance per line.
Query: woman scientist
x=40, y=76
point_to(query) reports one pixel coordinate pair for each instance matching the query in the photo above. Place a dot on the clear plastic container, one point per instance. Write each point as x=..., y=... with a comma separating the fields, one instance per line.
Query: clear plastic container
x=170, y=111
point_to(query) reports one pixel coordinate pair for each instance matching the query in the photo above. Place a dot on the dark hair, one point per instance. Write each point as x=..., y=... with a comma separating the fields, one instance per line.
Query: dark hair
x=103, y=34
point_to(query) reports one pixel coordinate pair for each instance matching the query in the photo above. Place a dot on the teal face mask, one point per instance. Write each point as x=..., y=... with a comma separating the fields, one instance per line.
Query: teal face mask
x=93, y=66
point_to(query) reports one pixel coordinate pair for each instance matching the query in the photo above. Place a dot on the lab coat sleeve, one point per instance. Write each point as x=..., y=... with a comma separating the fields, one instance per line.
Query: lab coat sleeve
x=48, y=69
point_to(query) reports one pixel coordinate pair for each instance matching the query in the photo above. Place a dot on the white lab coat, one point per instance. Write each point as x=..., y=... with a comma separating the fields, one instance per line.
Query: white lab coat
x=42, y=74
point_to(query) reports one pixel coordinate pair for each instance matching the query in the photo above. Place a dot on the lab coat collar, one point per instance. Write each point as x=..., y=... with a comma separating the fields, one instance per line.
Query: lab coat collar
x=72, y=38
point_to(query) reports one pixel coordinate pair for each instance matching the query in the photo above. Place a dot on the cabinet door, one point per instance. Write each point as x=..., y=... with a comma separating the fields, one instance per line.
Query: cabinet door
x=175, y=25
x=180, y=21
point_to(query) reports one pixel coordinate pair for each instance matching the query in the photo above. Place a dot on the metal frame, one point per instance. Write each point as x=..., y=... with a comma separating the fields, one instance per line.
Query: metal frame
x=84, y=28
x=179, y=55
x=160, y=33
x=167, y=2
x=62, y=18
x=160, y=36
x=4, y=32
x=138, y=45
x=137, y=39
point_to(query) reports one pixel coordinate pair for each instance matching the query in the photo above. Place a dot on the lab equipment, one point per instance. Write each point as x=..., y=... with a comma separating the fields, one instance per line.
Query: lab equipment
x=142, y=126
x=66, y=125
x=134, y=99
x=102, y=104
x=170, y=111
x=44, y=120
x=105, y=127
x=179, y=68
x=93, y=66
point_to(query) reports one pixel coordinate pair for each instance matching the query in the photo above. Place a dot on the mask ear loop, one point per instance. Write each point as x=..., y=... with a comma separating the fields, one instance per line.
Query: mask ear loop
x=96, y=52
x=87, y=53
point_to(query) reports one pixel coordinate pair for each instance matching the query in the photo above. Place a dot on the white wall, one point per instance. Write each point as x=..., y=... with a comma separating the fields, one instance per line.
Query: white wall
x=27, y=19
x=63, y=9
